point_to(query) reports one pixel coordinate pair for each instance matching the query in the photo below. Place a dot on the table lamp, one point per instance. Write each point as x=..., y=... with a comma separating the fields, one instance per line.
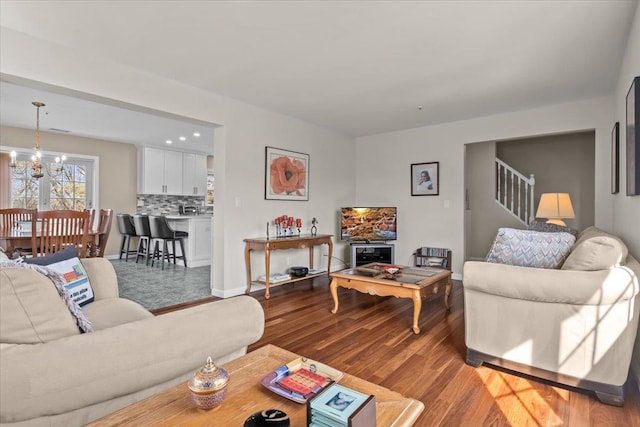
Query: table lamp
x=555, y=207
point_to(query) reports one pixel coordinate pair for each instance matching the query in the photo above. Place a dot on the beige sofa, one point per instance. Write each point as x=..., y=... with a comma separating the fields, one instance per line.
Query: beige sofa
x=52, y=375
x=575, y=325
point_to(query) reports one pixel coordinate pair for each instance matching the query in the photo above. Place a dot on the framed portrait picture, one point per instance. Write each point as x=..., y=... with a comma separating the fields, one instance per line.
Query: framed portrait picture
x=615, y=159
x=425, y=179
x=286, y=175
x=633, y=138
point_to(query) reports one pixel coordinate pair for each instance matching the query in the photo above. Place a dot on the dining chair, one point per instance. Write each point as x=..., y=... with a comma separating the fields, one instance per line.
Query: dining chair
x=17, y=222
x=62, y=228
x=92, y=218
x=104, y=229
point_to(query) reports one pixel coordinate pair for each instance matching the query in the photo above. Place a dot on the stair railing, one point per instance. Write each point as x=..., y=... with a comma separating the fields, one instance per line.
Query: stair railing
x=515, y=192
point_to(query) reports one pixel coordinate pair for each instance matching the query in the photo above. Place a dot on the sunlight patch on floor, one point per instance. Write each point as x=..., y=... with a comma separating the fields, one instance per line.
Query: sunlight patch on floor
x=518, y=401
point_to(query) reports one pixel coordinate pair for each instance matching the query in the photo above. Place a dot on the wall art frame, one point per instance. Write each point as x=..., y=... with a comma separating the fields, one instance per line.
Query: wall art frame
x=633, y=138
x=615, y=159
x=286, y=175
x=425, y=179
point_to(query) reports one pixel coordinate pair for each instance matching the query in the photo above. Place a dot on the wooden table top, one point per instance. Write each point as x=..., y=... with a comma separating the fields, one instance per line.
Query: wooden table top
x=246, y=395
x=13, y=234
x=295, y=237
x=407, y=277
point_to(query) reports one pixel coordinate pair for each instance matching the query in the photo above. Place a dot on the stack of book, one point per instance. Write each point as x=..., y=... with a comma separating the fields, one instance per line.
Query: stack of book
x=275, y=278
x=432, y=257
x=339, y=406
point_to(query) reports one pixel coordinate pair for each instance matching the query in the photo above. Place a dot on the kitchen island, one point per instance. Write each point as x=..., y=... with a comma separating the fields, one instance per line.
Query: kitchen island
x=199, y=243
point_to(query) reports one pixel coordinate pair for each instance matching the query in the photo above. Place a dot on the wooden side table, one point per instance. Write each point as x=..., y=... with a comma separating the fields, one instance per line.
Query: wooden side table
x=278, y=243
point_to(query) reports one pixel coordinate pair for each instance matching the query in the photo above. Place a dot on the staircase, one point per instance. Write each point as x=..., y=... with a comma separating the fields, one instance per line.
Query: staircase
x=515, y=192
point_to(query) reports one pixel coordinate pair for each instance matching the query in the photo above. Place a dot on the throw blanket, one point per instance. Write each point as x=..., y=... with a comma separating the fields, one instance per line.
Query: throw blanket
x=58, y=281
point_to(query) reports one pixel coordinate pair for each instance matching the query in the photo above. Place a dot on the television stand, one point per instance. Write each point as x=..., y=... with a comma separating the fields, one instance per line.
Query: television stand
x=365, y=253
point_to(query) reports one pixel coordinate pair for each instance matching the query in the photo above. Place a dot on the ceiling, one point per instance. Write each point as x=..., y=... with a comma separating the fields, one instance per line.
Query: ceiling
x=357, y=67
x=99, y=120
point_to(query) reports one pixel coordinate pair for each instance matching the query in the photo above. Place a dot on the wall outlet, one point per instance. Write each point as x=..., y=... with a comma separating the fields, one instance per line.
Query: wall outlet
x=140, y=203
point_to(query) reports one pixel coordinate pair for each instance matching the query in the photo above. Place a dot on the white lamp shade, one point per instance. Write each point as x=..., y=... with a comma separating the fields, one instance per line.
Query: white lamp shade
x=555, y=206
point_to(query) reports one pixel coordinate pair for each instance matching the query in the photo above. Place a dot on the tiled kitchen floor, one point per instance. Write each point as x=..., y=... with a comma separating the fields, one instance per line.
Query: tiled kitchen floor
x=155, y=288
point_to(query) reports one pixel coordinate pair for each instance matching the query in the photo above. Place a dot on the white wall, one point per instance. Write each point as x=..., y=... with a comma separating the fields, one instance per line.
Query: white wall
x=626, y=210
x=383, y=163
x=483, y=216
x=561, y=164
x=239, y=150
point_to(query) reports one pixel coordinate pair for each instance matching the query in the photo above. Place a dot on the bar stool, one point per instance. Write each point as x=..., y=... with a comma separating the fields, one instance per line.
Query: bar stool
x=126, y=228
x=160, y=230
x=141, y=224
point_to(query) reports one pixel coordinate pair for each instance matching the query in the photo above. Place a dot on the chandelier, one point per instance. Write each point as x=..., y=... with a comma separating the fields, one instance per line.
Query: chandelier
x=37, y=166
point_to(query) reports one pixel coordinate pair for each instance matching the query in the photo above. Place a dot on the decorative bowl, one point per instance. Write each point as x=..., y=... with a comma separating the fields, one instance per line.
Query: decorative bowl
x=209, y=385
x=298, y=271
x=391, y=269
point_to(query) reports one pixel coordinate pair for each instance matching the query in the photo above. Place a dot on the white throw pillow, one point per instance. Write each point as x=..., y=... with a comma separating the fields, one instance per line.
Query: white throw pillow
x=67, y=263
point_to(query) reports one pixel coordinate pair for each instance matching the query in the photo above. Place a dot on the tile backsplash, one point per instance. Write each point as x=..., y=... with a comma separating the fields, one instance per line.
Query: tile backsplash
x=157, y=204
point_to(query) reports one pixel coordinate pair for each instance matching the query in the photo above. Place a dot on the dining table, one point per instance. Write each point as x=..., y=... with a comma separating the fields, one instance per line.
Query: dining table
x=16, y=238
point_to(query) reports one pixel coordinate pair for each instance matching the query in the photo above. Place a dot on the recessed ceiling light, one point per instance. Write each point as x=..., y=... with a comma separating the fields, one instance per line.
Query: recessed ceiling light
x=182, y=138
x=168, y=141
x=196, y=134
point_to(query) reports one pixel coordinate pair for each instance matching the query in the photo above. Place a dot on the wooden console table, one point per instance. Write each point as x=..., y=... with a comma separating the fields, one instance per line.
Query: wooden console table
x=277, y=243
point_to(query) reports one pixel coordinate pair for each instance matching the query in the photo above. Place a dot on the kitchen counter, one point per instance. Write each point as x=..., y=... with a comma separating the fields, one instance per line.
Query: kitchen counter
x=185, y=217
x=198, y=245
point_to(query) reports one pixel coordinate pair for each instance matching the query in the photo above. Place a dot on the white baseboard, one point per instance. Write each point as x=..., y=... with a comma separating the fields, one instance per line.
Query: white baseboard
x=228, y=293
x=202, y=263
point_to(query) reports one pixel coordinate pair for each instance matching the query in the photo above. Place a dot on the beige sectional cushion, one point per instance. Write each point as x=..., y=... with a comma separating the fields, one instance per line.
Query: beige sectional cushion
x=122, y=360
x=32, y=311
x=596, y=250
x=110, y=312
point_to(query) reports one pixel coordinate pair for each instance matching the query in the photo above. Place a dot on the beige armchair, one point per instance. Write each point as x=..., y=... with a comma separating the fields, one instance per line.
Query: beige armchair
x=575, y=325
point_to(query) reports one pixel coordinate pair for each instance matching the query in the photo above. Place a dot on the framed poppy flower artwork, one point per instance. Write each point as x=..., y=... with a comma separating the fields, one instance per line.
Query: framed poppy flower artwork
x=286, y=175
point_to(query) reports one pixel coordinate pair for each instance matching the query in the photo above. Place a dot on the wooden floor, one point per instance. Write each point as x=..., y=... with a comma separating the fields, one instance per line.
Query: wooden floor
x=371, y=337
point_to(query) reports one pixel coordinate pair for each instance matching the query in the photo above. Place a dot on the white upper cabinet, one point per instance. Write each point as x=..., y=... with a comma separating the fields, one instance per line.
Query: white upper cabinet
x=172, y=172
x=161, y=172
x=194, y=174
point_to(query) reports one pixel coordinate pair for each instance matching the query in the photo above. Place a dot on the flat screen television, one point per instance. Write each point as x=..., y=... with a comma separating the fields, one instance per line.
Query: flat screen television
x=368, y=224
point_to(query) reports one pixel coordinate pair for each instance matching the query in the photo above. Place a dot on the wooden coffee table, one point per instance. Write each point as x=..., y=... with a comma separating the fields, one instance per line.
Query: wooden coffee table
x=173, y=407
x=410, y=282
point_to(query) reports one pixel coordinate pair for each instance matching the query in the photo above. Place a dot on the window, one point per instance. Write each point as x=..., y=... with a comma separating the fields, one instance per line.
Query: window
x=68, y=188
x=24, y=189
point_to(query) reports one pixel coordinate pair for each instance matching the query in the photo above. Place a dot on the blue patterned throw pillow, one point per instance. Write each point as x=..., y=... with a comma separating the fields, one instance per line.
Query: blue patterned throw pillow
x=528, y=248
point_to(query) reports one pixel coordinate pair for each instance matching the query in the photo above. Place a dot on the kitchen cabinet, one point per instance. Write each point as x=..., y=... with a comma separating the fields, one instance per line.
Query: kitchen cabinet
x=161, y=172
x=194, y=174
x=198, y=244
